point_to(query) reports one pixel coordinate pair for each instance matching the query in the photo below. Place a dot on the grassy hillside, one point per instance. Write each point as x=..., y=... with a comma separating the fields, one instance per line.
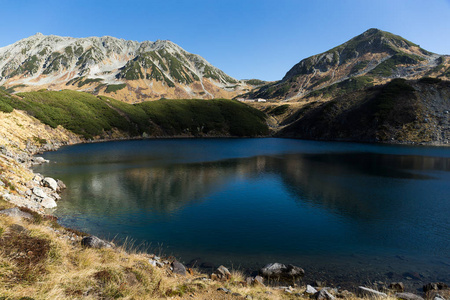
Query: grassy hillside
x=96, y=117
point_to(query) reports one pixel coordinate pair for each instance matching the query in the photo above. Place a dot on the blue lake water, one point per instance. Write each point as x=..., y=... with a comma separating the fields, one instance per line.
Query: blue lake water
x=345, y=212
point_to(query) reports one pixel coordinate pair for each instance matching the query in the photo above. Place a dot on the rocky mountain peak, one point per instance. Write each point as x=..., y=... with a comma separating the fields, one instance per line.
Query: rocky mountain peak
x=375, y=56
x=94, y=63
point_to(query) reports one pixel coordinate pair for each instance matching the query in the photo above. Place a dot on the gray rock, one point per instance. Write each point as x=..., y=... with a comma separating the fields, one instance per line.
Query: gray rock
x=221, y=274
x=39, y=160
x=39, y=192
x=272, y=270
x=294, y=271
x=178, y=268
x=281, y=271
x=50, y=183
x=95, y=242
x=258, y=280
x=310, y=290
x=48, y=202
x=255, y=281
x=16, y=212
x=55, y=196
x=408, y=296
x=37, y=178
x=366, y=292
x=438, y=297
x=434, y=286
x=323, y=294
x=61, y=185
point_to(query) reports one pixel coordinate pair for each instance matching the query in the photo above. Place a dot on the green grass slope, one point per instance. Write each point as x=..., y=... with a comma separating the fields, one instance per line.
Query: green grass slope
x=96, y=117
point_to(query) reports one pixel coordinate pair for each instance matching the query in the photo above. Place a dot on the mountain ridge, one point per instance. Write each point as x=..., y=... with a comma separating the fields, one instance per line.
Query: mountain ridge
x=145, y=70
x=378, y=55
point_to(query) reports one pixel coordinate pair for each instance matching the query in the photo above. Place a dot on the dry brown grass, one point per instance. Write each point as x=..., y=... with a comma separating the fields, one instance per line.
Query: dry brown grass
x=39, y=262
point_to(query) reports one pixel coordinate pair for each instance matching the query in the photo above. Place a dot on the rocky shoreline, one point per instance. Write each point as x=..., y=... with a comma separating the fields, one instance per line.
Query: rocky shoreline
x=21, y=187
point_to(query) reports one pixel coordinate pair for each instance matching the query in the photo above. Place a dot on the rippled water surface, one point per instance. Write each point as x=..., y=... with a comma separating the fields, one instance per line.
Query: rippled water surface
x=345, y=212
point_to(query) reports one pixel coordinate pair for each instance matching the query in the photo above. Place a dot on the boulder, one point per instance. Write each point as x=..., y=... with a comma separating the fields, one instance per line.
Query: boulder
x=221, y=274
x=95, y=242
x=277, y=270
x=16, y=212
x=39, y=192
x=55, y=196
x=434, y=286
x=397, y=287
x=37, y=178
x=61, y=185
x=39, y=160
x=50, y=183
x=178, y=268
x=258, y=280
x=408, y=296
x=48, y=202
x=310, y=290
x=370, y=293
x=294, y=271
x=255, y=281
x=272, y=270
x=323, y=294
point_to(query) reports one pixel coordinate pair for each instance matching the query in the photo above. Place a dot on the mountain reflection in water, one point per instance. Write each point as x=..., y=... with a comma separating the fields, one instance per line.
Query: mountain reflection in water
x=311, y=178
x=253, y=201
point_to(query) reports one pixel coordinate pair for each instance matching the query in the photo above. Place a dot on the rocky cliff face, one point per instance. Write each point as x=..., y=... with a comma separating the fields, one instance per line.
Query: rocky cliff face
x=371, y=58
x=127, y=70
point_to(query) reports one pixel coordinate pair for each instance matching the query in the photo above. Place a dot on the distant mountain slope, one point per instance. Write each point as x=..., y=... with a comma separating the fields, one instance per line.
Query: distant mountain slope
x=398, y=112
x=129, y=70
x=370, y=58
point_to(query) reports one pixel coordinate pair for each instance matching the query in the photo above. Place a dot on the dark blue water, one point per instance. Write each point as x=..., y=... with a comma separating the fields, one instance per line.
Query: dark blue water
x=345, y=212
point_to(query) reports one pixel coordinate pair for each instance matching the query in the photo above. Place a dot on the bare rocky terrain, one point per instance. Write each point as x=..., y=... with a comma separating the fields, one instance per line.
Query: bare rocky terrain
x=127, y=70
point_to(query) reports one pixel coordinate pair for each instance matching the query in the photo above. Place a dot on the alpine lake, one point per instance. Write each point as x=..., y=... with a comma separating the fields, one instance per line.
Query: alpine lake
x=345, y=212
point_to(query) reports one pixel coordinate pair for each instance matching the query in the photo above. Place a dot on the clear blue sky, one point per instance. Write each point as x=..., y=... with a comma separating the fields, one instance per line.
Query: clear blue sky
x=245, y=38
